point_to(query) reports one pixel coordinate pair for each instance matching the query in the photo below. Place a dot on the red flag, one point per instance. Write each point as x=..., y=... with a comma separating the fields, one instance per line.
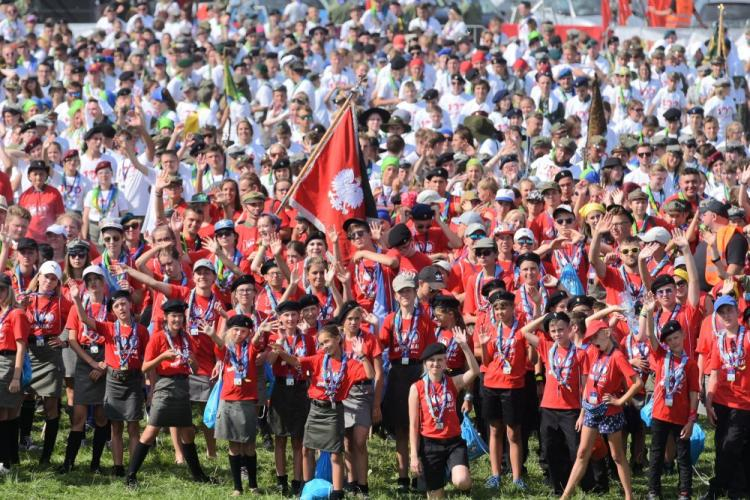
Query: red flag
x=606, y=14
x=335, y=187
x=623, y=11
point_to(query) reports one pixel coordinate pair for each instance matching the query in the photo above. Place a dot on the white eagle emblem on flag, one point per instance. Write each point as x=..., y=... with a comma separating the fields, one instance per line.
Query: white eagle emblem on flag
x=346, y=193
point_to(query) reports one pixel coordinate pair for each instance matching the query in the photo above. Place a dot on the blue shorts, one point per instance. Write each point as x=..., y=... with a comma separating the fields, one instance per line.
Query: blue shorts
x=605, y=424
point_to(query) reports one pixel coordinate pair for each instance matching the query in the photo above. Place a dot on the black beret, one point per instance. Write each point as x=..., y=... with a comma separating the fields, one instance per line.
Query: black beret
x=432, y=350
x=245, y=279
x=240, y=320
x=315, y=235
x=672, y=114
x=438, y=172
x=358, y=222
x=441, y=160
x=91, y=132
x=29, y=125
x=493, y=284
x=580, y=300
x=446, y=302
x=288, y=306
x=668, y=329
x=530, y=256
x=38, y=165
x=308, y=300
x=661, y=281
x=398, y=235
x=555, y=316
x=398, y=62
x=612, y=162
x=502, y=295
x=346, y=308
x=174, y=306
x=281, y=163
x=422, y=212
x=27, y=244
x=555, y=298
x=267, y=266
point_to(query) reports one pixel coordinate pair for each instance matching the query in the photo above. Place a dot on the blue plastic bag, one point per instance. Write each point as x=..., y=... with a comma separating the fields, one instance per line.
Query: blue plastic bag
x=270, y=379
x=212, y=405
x=474, y=442
x=26, y=372
x=317, y=489
x=697, y=443
x=647, y=412
x=323, y=467
x=570, y=281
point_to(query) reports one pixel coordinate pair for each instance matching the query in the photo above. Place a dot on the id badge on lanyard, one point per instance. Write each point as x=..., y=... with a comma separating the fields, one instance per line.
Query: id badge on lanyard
x=594, y=398
x=94, y=349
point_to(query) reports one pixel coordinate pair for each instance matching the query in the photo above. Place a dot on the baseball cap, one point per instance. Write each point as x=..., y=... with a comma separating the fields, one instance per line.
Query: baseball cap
x=724, y=300
x=51, y=267
x=429, y=196
x=432, y=276
x=523, y=233
x=93, y=269
x=58, y=230
x=403, y=281
x=656, y=234
x=204, y=263
x=475, y=227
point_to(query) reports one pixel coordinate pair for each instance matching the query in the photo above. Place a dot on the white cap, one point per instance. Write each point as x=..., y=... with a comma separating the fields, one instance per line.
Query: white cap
x=204, y=263
x=656, y=234
x=58, y=230
x=523, y=232
x=93, y=269
x=429, y=196
x=51, y=267
x=505, y=195
x=443, y=264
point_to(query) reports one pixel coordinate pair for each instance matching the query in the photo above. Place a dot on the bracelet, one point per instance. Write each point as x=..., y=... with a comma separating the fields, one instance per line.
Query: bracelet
x=361, y=357
x=468, y=397
x=717, y=259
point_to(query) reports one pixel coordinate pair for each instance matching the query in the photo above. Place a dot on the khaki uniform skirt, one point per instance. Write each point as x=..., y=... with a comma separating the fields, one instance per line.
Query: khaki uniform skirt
x=358, y=406
x=170, y=403
x=200, y=388
x=7, y=368
x=395, y=407
x=324, y=429
x=236, y=421
x=123, y=396
x=288, y=408
x=46, y=369
x=87, y=392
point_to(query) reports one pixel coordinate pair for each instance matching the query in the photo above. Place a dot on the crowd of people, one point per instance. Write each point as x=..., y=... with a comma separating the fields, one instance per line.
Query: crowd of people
x=543, y=280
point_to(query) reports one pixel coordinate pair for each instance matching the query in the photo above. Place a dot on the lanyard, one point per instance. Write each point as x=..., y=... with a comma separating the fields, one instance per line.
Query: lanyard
x=600, y=369
x=295, y=349
x=628, y=285
x=482, y=302
x=91, y=334
x=184, y=352
x=526, y=303
x=108, y=204
x=271, y=299
x=672, y=315
x=672, y=379
x=124, y=348
x=70, y=193
x=642, y=229
x=561, y=371
x=632, y=345
x=663, y=262
x=505, y=347
x=405, y=342
x=195, y=313
x=734, y=358
x=436, y=405
x=240, y=363
x=332, y=381
x=40, y=317
x=451, y=346
x=326, y=310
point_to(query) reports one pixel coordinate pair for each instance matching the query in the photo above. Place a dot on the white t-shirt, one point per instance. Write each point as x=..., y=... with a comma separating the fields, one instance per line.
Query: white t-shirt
x=88, y=165
x=73, y=190
x=134, y=185
x=110, y=205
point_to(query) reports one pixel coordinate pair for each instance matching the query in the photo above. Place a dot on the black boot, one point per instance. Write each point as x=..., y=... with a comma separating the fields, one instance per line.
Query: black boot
x=251, y=464
x=71, y=451
x=11, y=442
x=191, y=457
x=282, y=484
x=4, y=451
x=235, y=464
x=141, y=450
x=50, y=437
x=296, y=487
x=100, y=439
x=336, y=495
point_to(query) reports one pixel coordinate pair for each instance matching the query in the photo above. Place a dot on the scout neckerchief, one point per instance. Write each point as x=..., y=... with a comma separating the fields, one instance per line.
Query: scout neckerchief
x=642, y=229
x=326, y=310
x=239, y=364
x=561, y=371
x=91, y=334
x=183, y=353
x=332, y=380
x=195, y=313
x=225, y=277
x=632, y=345
x=271, y=297
x=505, y=346
x=672, y=378
x=70, y=193
x=672, y=315
x=40, y=316
x=575, y=260
x=526, y=302
x=482, y=302
x=405, y=342
x=106, y=265
x=451, y=346
x=660, y=265
x=733, y=360
x=18, y=275
x=600, y=368
x=628, y=285
x=652, y=199
x=125, y=348
x=366, y=279
x=436, y=405
x=298, y=347
x=102, y=206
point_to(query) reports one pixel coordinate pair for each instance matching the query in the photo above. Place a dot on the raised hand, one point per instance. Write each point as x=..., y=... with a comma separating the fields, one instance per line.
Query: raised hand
x=212, y=245
x=549, y=281
x=649, y=302
x=275, y=243
x=745, y=176
x=459, y=334
x=679, y=238
x=708, y=237
x=329, y=275
x=648, y=251
x=294, y=278
x=358, y=346
x=342, y=274
x=618, y=196
x=333, y=235
x=484, y=337
x=75, y=290
x=175, y=223
x=206, y=328
x=605, y=224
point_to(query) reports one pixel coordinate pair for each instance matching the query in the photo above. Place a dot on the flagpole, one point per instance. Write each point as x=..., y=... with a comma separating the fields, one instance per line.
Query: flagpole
x=316, y=152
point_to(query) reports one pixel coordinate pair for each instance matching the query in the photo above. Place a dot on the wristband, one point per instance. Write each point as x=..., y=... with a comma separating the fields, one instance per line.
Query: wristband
x=539, y=377
x=361, y=357
x=693, y=416
x=468, y=397
x=717, y=259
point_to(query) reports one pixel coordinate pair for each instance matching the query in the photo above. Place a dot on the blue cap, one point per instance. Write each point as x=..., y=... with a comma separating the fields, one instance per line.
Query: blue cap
x=724, y=300
x=383, y=214
x=591, y=176
x=564, y=72
x=695, y=110
x=499, y=95
x=581, y=81
x=224, y=224
x=156, y=94
x=445, y=51
x=160, y=61
x=446, y=131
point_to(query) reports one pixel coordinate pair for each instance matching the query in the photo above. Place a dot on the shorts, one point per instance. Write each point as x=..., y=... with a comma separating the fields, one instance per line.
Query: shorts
x=605, y=424
x=506, y=405
x=439, y=456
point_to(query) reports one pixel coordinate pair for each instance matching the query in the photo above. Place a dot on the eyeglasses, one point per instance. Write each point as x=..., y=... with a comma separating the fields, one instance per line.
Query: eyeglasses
x=645, y=155
x=484, y=252
x=565, y=221
x=112, y=239
x=638, y=110
x=356, y=234
x=274, y=273
x=630, y=251
x=525, y=241
x=422, y=227
x=244, y=291
x=665, y=292
x=477, y=236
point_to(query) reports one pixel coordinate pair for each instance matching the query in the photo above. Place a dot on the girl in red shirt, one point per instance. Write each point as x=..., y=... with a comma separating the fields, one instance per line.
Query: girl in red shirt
x=230, y=263
x=676, y=393
x=434, y=429
x=170, y=354
x=332, y=375
x=237, y=414
x=602, y=406
x=14, y=330
x=320, y=279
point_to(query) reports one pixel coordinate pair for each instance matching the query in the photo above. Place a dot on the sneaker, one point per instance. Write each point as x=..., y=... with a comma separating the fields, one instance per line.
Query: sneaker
x=27, y=445
x=402, y=487
x=243, y=473
x=493, y=483
x=131, y=482
x=4, y=470
x=520, y=484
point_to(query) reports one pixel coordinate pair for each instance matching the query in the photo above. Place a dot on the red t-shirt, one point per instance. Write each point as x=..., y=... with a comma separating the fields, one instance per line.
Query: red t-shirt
x=313, y=365
x=371, y=348
x=451, y=427
x=298, y=345
x=484, y=326
x=734, y=394
x=84, y=335
x=201, y=309
x=47, y=315
x=608, y=374
x=507, y=366
x=617, y=288
x=543, y=227
x=412, y=264
x=689, y=318
x=577, y=255
x=44, y=206
x=14, y=326
x=235, y=388
x=455, y=358
x=460, y=271
x=6, y=189
x=422, y=336
x=433, y=241
x=182, y=343
x=266, y=301
x=364, y=282
x=680, y=410
x=473, y=299
x=111, y=345
x=247, y=238
x=706, y=343
x=18, y=281
x=556, y=395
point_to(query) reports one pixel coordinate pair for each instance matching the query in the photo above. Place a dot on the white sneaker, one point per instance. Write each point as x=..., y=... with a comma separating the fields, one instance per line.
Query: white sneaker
x=4, y=470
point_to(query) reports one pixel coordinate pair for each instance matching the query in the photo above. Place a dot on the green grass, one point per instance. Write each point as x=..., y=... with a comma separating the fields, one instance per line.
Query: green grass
x=161, y=478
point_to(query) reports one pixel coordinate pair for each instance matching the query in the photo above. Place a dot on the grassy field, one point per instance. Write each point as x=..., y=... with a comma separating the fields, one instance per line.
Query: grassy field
x=161, y=478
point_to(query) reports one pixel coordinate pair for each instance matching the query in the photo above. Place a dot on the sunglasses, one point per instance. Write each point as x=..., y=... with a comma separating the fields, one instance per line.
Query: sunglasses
x=224, y=234
x=567, y=220
x=77, y=255
x=638, y=110
x=645, y=155
x=132, y=227
x=422, y=227
x=356, y=234
x=112, y=239
x=484, y=252
x=525, y=241
x=477, y=236
x=630, y=251
x=680, y=284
